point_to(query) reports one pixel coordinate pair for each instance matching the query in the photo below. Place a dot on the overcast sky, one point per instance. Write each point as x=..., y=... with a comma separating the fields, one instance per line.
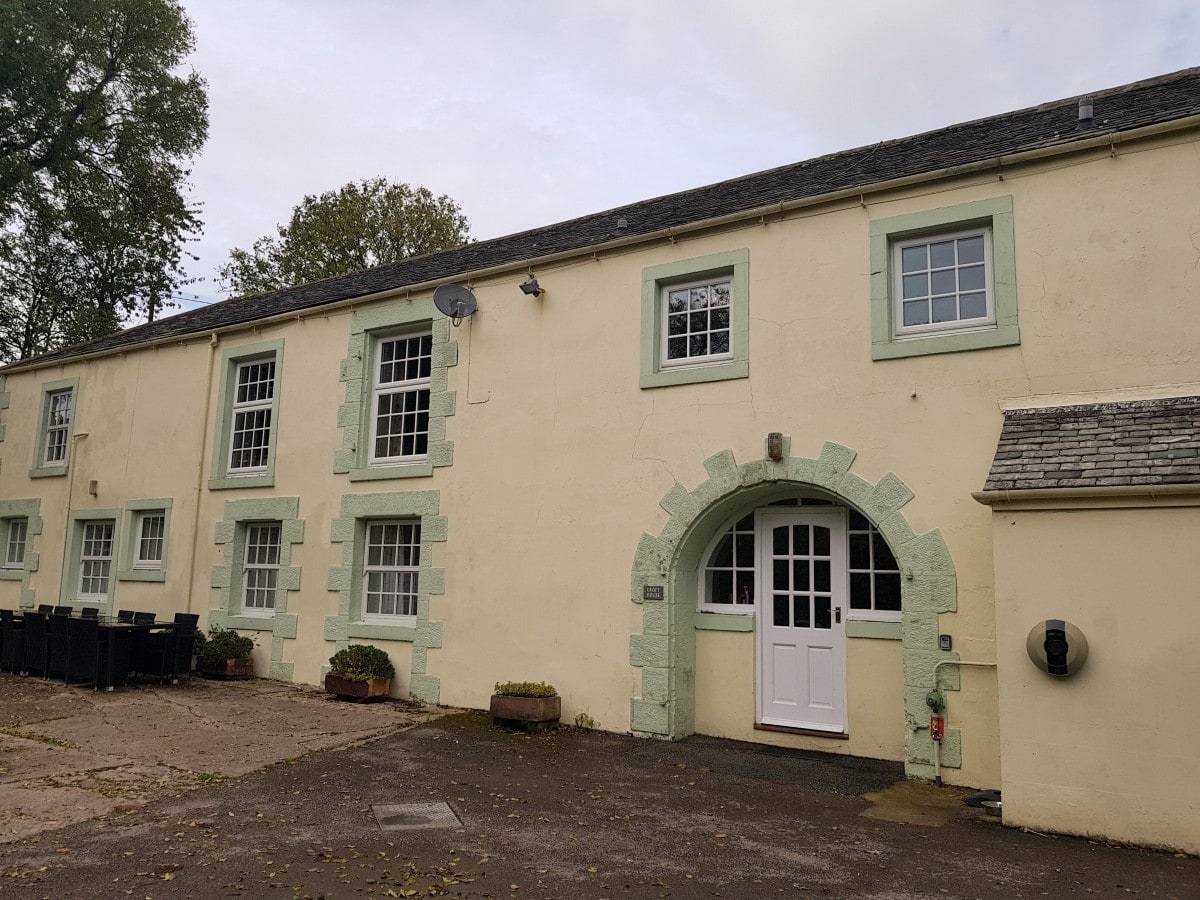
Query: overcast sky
x=529, y=112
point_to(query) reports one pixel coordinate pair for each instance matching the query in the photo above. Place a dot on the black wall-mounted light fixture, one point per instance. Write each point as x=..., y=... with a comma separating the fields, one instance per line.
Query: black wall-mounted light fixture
x=774, y=446
x=531, y=287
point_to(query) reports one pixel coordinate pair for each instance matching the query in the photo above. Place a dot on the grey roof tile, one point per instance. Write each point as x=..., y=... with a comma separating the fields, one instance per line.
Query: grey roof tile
x=1155, y=442
x=1120, y=109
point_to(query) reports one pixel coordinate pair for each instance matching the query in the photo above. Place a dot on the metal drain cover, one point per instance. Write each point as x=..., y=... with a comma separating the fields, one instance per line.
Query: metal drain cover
x=406, y=816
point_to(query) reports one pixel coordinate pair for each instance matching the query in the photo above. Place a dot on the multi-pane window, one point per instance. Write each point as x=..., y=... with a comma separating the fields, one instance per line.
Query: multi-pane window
x=944, y=282
x=58, y=423
x=95, y=559
x=250, y=435
x=150, y=533
x=696, y=322
x=15, y=537
x=729, y=570
x=400, y=425
x=391, y=566
x=260, y=572
x=874, y=572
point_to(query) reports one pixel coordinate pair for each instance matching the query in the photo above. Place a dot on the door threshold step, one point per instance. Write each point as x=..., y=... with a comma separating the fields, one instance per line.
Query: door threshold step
x=810, y=732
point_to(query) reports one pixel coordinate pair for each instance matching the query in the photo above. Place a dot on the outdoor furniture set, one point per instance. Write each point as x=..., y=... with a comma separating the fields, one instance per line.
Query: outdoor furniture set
x=94, y=649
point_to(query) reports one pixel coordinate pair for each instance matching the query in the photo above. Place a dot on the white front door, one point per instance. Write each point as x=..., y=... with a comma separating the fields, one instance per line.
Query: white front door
x=800, y=607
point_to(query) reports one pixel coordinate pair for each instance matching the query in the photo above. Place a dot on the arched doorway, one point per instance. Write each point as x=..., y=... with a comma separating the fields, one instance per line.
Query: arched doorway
x=668, y=581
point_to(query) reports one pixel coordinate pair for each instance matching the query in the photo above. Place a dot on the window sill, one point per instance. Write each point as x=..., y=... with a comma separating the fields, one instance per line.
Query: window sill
x=379, y=473
x=229, y=482
x=710, y=621
x=141, y=575
x=697, y=374
x=244, y=622
x=48, y=471
x=12, y=574
x=927, y=344
x=888, y=631
x=381, y=632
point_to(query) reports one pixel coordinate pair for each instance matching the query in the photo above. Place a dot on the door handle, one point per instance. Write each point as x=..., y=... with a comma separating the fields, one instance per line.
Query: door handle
x=837, y=614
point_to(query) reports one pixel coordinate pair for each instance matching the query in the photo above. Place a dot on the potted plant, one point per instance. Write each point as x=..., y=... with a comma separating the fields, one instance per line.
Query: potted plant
x=361, y=672
x=224, y=653
x=532, y=705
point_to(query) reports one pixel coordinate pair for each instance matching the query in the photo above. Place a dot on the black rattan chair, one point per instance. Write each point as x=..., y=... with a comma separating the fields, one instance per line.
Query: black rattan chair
x=125, y=615
x=12, y=641
x=84, y=664
x=63, y=610
x=90, y=612
x=59, y=646
x=36, y=656
x=143, y=618
x=45, y=608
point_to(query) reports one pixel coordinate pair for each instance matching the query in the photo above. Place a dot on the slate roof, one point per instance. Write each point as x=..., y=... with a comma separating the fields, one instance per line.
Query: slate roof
x=1158, y=100
x=1140, y=442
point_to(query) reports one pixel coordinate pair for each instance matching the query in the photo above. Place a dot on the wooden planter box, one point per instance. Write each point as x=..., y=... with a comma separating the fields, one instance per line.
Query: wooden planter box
x=532, y=713
x=375, y=689
x=226, y=668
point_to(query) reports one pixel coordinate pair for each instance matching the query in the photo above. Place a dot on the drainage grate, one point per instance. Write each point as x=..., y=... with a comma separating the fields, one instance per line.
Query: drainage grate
x=406, y=816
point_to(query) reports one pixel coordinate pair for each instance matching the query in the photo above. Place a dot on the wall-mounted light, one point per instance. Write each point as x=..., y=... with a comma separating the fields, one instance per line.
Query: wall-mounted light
x=774, y=446
x=531, y=287
x=94, y=487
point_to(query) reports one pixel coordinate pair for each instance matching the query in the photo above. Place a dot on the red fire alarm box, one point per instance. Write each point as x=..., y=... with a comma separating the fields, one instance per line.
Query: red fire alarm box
x=937, y=727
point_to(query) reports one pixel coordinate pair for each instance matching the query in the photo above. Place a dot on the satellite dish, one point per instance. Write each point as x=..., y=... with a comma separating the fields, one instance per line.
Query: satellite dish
x=455, y=301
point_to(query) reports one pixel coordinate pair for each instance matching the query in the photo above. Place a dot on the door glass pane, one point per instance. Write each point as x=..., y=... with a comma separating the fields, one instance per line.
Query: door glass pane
x=820, y=574
x=781, y=609
x=781, y=575
x=745, y=587
x=723, y=558
x=779, y=540
x=800, y=575
x=744, y=550
x=800, y=540
x=802, y=617
x=820, y=541
x=823, y=618
x=720, y=589
x=883, y=553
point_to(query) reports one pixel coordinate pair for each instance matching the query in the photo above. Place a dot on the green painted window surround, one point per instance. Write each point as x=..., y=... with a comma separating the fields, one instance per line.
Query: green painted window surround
x=710, y=621
x=70, y=574
x=734, y=263
x=29, y=511
x=221, y=479
x=355, y=414
x=39, y=470
x=231, y=532
x=128, y=547
x=996, y=213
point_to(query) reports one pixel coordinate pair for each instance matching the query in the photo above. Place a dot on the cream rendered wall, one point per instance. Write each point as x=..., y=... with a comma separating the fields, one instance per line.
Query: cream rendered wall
x=560, y=459
x=1110, y=751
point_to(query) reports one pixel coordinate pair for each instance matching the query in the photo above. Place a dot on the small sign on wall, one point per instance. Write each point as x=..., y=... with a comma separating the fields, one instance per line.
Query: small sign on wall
x=652, y=592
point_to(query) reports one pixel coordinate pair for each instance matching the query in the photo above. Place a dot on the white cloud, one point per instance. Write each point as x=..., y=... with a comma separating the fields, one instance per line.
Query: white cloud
x=528, y=112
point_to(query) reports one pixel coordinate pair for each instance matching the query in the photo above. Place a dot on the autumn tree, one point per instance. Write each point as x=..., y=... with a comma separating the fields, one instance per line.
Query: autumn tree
x=359, y=226
x=97, y=123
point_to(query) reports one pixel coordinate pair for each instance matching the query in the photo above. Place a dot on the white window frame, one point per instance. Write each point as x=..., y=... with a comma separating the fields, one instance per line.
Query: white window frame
x=54, y=451
x=956, y=326
x=16, y=535
x=706, y=568
x=142, y=519
x=742, y=606
x=708, y=358
x=261, y=559
x=418, y=386
x=260, y=410
x=96, y=565
x=873, y=569
x=406, y=573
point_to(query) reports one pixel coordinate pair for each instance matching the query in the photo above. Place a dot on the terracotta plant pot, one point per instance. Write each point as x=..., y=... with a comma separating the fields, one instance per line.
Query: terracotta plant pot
x=226, y=668
x=374, y=689
x=535, y=713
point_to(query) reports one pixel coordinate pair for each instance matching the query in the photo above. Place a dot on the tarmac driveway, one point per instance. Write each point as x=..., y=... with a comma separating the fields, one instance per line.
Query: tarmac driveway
x=565, y=814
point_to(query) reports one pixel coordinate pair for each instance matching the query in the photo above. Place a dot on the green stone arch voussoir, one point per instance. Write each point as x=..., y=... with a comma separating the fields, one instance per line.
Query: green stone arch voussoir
x=665, y=650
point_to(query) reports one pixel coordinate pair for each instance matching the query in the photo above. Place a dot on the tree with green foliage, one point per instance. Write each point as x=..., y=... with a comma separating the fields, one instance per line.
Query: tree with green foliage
x=359, y=226
x=97, y=123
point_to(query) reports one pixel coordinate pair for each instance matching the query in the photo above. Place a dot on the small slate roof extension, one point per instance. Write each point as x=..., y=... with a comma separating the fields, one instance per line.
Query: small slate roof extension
x=1139, y=442
x=1159, y=100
